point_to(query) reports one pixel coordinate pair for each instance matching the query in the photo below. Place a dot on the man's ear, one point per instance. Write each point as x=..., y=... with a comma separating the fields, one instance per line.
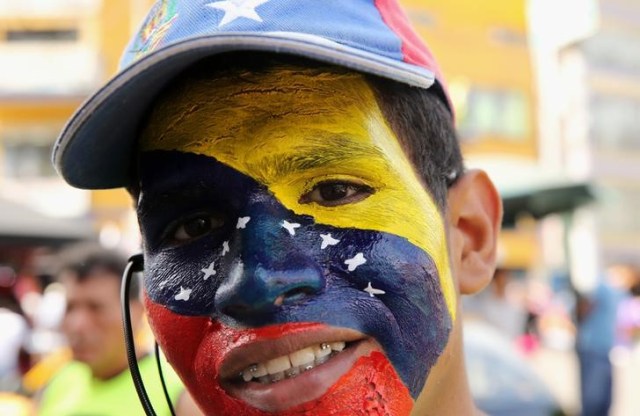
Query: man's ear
x=474, y=218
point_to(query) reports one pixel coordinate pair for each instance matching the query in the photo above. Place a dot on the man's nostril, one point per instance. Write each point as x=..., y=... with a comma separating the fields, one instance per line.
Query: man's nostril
x=294, y=295
x=236, y=310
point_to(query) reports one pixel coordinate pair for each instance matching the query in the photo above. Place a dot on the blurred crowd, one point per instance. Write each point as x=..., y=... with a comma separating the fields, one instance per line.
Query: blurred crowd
x=597, y=327
x=63, y=327
x=45, y=330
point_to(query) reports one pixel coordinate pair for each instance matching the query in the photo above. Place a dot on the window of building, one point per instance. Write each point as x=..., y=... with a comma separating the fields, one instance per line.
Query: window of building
x=614, y=122
x=27, y=159
x=494, y=112
x=51, y=35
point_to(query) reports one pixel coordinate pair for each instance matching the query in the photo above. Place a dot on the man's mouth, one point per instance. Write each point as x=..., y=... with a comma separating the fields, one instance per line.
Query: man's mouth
x=292, y=365
x=294, y=370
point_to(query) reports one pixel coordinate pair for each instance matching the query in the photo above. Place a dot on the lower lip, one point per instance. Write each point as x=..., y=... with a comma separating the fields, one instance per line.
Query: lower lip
x=308, y=386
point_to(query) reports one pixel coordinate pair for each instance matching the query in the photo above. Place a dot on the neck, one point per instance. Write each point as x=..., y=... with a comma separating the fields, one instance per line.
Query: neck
x=115, y=370
x=447, y=392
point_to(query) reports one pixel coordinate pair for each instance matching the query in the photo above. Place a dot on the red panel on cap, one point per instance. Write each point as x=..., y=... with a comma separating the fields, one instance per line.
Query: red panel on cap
x=413, y=48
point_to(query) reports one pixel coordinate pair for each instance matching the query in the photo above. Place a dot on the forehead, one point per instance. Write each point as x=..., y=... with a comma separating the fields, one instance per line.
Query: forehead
x=227, y=112
x=99, y=286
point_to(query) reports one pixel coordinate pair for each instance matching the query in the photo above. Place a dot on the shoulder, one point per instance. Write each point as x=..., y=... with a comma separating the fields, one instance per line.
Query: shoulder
x=73, y=372
x=153, y=383
x=57, y=392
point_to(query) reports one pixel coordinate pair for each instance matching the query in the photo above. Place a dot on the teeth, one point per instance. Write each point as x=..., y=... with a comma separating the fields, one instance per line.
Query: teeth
x=337, y=346
x=278, y=365
x=289, y=366
x=292, y=372
x=261, y=370
x=302, y=357
x=277, y=377
x=321, y=350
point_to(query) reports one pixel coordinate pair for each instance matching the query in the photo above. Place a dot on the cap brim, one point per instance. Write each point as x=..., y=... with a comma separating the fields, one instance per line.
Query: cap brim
x=95, y=149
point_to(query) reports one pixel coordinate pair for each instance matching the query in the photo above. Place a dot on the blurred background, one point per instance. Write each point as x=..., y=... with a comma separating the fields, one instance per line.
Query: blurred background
x=547, y=95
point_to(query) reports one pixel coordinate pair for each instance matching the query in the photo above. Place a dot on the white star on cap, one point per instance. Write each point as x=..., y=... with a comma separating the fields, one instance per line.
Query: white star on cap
x=209, y=271
x=356, y=261
x=371, y=291
x=184, y=294
x=225, y=247
x=327, y=241
x=242, y=222
x=234, y=9
x=290, y=226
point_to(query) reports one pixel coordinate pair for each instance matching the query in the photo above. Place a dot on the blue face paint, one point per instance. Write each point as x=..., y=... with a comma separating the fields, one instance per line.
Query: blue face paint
x=265, y=265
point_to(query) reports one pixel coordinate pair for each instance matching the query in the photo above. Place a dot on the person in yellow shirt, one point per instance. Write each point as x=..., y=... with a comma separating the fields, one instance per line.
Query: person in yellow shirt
x=97, y=381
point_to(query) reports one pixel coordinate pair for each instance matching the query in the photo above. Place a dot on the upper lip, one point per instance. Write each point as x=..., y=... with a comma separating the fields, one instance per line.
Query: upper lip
x=252, y=352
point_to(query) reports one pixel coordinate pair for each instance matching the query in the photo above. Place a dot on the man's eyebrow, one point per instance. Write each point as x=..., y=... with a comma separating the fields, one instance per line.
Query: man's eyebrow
x=165, y=194
x=316, y=153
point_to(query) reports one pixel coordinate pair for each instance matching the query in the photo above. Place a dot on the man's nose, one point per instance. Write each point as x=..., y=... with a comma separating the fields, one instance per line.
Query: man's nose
x=254, y=293
x=76, y=321
x=274, y=268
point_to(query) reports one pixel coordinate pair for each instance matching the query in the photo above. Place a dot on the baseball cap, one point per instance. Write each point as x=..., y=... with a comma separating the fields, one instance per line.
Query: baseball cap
x=96, y=148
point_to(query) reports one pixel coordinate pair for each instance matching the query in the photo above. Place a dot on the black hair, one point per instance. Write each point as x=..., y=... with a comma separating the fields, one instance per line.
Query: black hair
x=85, y=260
x=419, y=117
x=424, y=126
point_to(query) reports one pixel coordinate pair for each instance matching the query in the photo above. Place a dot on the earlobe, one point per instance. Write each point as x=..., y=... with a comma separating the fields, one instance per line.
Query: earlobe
x=474, y=218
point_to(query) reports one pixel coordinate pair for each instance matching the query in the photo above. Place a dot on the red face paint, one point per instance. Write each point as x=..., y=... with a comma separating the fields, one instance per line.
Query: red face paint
x=197, y=348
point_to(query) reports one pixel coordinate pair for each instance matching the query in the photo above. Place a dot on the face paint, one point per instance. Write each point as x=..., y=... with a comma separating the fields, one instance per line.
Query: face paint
x=280, y=214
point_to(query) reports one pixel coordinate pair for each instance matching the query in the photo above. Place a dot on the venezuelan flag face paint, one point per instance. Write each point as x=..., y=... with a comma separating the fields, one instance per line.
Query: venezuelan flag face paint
x=280, y=216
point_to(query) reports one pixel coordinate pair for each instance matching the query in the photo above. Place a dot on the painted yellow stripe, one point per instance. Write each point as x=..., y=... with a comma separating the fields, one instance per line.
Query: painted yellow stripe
x=292, y=129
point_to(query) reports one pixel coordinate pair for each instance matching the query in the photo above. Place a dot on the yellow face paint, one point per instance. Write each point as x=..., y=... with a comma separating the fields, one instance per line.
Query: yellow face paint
x=292, y=129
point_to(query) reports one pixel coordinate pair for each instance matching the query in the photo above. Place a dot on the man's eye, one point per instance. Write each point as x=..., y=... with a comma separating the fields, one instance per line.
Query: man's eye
x=332, y=194
x=196, y=227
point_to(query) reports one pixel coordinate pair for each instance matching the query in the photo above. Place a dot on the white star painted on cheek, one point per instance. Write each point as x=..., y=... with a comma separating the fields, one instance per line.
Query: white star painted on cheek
x=235, y=9
x=372, y=292
x=327, y=241
x=184, y=294
x=290, y=226
x=242, y=222
x=225, y=248
x=356, y=261
x=209, y=271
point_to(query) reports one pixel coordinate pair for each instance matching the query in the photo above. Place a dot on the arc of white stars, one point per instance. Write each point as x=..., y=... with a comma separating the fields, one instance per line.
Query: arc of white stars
x=242, y=222
x=235, y=9
x=290, y=226
x=327, y=241
x=354, y=262
x=184, y=294
x=209, y=271
x=373, y=291
x=225, y=247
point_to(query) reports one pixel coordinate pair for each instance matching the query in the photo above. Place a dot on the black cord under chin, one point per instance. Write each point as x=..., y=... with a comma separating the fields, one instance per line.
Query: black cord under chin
x=164, y=385
x=136, y=264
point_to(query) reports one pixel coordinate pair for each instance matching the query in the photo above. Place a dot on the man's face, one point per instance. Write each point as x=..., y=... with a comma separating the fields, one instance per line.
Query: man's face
x=93, y=321
x=294, y=261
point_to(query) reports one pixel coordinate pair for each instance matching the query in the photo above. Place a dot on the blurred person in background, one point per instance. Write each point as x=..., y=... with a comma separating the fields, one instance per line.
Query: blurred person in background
x=499, y=305
x=98, y=381
x=14, y=359
x=596, y=314
x=629, y=311
x=14, y=335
